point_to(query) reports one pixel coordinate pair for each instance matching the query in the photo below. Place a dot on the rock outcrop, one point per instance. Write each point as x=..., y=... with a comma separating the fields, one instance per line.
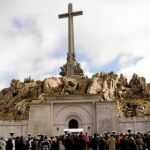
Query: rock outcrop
x=104, y=84
x=52, y=85
x=133, y=97
x=139, y=86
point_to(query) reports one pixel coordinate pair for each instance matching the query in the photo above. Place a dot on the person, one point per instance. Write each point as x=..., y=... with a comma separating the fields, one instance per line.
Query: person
x=139, y=141
x=2, y=143
x=45, y=144
x=16, y=143
x=61, y=143
x=102, y=143
x=21, y=145
x=81, y=143
x=111, y=143
x=55, y=144
x=132, y=144
x=27, y=144
x=9, y=144
x=34, y=144
x=123, y=143
x=147, y=140
x=95, y=142
x=68, y=143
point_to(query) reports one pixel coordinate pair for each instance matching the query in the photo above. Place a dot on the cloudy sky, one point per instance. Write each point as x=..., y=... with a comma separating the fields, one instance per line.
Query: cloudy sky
x=112, y=35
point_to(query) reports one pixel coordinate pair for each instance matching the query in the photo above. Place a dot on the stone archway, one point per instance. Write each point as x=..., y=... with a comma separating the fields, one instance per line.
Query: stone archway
x=63, y=113
x=74, y=121
x=73, y=124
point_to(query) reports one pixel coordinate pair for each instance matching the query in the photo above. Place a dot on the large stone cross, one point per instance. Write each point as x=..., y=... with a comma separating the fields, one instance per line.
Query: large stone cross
x=70, y=15
x=71, y=68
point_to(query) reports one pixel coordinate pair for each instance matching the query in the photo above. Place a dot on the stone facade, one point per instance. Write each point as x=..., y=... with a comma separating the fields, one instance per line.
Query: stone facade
x=54, y=116
x=136, y=124
x=19, y=128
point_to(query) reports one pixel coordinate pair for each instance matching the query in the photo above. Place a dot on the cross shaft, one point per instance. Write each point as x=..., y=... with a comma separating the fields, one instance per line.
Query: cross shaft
x=70, y=15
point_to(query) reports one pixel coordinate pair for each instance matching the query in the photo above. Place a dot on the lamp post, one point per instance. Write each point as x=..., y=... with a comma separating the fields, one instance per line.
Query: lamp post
x=113, y=132
x=29, y=135
x=11, y=134
x=129, y=131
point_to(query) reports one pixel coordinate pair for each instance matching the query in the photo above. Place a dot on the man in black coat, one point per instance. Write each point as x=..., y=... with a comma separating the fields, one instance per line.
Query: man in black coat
x=9, y=145
x=21, y=145
x=132, y=144
x=147, y=140
x=102, y=143
x=68, y=143
x=81, y=143
x=95, y=142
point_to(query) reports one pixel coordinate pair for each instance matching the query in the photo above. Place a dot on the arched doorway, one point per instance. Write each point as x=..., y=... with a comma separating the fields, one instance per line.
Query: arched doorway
x=73, y=124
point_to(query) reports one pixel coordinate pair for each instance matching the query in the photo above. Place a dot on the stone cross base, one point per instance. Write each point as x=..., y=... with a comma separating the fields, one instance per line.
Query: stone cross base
x=71, y=69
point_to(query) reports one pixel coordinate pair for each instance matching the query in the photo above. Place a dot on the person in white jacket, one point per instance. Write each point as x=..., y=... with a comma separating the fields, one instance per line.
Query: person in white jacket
x=2, y=144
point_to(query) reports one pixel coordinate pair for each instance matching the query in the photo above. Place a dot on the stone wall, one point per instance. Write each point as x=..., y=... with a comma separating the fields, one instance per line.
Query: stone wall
x=106, y=115
x=93, y=116
x=135, y=124
x=39, y=120
x=19, y=128
x=53, y=117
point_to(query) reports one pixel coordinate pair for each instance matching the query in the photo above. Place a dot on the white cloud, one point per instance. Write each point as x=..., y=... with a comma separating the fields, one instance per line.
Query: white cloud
x=116, y=28
x=141, y=68
x=31, y=33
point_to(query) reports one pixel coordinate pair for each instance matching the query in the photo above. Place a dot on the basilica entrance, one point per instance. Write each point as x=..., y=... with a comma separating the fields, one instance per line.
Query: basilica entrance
x=73, y=124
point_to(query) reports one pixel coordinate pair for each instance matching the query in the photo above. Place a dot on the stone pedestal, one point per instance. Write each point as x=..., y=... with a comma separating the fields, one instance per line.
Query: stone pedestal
x=71, y=69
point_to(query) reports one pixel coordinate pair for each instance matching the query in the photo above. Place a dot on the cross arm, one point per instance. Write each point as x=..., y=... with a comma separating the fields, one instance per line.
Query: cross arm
x=77, y=13
x=63, y=15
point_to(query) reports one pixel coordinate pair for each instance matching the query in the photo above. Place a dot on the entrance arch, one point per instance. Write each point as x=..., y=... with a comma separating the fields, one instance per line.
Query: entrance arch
x=74, y=121
x=73, y=124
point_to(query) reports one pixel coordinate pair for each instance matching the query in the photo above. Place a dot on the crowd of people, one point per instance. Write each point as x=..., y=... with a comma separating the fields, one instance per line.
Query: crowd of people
x=81, y=141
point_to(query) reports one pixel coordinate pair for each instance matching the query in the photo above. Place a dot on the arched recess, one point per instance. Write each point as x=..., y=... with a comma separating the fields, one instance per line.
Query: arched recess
x=74, y=117
x=72, y=112
x=73, y=124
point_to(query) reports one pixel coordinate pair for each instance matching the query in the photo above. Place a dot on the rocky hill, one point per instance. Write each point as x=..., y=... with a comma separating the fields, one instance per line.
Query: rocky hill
x=132, y=98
